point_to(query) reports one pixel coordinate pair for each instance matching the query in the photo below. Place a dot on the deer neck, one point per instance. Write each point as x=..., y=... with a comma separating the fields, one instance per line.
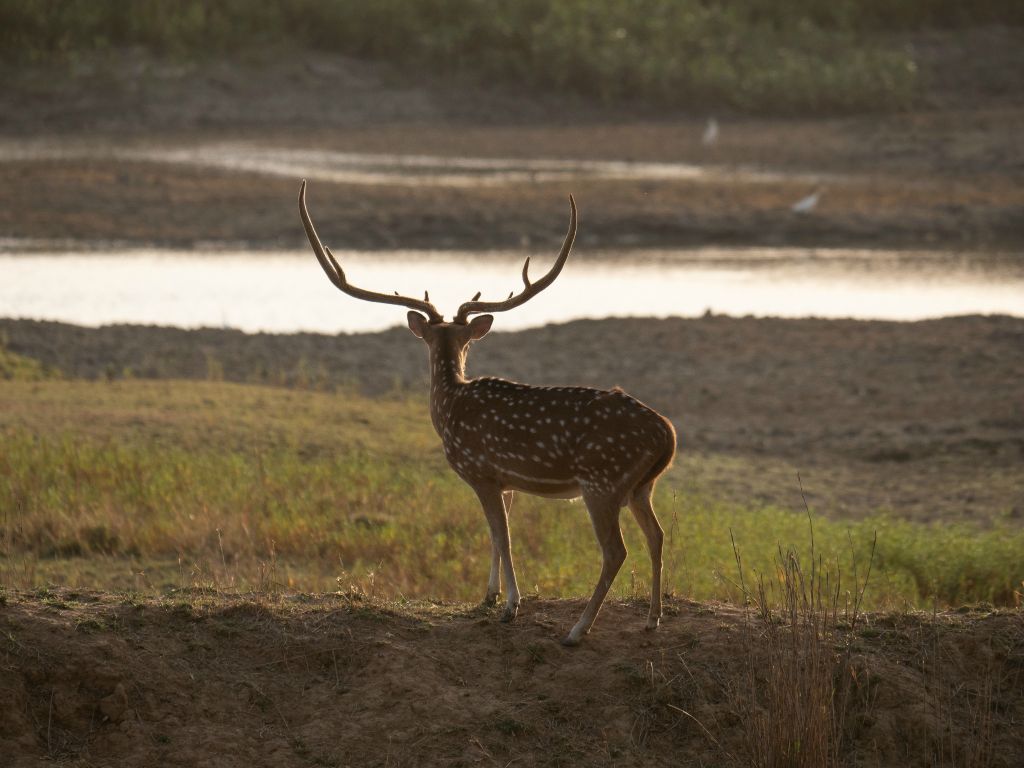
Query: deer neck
x=447, y=378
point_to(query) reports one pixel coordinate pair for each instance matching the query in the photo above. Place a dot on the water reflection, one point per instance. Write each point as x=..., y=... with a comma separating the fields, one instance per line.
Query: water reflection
x=286, y=291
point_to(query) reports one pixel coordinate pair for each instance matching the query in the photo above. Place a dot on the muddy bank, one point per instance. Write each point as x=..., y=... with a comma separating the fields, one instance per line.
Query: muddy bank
x=925, y=419
x=341, y=680
x=137, y=203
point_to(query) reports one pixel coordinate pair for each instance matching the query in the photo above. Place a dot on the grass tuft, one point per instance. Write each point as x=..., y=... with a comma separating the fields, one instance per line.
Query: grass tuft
x=798, y=678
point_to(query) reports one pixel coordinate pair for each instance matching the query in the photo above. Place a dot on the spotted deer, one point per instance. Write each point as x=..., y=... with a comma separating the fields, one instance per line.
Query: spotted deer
x=561, y=442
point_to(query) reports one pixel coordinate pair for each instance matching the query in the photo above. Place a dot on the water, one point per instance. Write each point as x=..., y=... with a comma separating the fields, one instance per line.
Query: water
x=394, y=169
x=287, y=291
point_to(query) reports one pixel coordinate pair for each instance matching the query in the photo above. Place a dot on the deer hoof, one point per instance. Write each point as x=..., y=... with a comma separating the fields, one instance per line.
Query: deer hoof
x=569, y=641
x=652, y=624
x=509, y=614
x=490, y=599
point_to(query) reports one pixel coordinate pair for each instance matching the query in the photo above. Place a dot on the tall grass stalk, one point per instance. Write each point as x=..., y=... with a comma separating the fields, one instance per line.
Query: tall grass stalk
x=796, y=689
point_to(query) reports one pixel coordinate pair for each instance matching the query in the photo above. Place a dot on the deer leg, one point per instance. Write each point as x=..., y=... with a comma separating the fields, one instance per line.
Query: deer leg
x=604, y=514
x=493, y=503
x=643, y=511
x=494, y=581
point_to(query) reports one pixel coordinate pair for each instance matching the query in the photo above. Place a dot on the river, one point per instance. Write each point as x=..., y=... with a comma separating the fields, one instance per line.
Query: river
x=284, y=291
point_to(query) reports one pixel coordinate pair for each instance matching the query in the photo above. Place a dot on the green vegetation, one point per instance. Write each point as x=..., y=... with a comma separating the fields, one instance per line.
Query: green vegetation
x=795, y=55
x=150, y=485
x=20, y=368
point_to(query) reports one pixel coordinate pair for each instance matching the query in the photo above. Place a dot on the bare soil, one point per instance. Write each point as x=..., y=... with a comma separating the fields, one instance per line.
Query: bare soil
x=342, y=680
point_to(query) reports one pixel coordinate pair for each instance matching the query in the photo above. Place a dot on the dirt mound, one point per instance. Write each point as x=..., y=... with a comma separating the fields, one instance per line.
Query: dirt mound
x=198, y=679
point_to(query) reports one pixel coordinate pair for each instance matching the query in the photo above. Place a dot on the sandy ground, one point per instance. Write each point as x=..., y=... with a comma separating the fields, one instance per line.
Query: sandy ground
x=341, y=680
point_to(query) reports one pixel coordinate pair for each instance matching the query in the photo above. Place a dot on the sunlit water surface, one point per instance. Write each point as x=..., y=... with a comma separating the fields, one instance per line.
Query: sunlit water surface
x=287, y=292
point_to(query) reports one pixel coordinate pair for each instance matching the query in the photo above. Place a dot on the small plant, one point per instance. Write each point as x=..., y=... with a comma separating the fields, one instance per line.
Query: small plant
x=14, y=367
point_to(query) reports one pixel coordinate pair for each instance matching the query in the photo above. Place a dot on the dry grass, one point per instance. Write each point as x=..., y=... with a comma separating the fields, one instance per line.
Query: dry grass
x=151, y=486
x=798, y=681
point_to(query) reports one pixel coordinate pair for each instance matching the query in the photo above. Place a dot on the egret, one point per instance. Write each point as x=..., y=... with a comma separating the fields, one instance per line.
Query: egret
x=807, y=204
x=710, y=133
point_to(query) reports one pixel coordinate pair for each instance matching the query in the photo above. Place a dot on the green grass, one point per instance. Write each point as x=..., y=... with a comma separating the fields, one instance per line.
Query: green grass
x=19, y=368
x=791, y=56
x=152, y=485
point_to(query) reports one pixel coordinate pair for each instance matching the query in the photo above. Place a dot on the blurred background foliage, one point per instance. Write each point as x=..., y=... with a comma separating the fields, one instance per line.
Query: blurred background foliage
x=780, y=55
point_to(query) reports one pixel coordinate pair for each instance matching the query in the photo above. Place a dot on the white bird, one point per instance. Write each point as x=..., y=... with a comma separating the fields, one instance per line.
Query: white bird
x=806, y=204
x=710, y=132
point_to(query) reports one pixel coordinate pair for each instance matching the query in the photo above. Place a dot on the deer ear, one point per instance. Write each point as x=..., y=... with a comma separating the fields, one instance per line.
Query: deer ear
x=417, y=324
x=479, y=326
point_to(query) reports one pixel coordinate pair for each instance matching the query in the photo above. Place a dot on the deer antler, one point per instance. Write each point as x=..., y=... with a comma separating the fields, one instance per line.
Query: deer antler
x=337, y=275
x=530, y=289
